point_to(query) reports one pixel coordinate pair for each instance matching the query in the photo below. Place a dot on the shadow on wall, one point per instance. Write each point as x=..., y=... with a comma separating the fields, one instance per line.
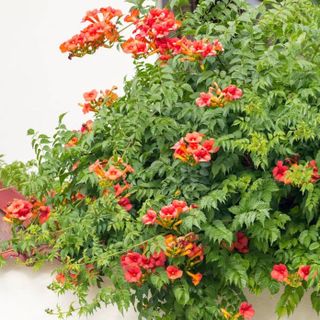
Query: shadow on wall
x=29, y=288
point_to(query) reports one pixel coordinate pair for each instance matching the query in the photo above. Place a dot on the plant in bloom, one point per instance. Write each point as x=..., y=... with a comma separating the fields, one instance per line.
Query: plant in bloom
x=304, y=272
x=236, y=196
x=281, y=274
x=186, y=246
x=95, y=100
x=125, y=203
x=245, y=312
x=72, y=142
x=24, y=211
x=87, y=126
x=113, y=177
x=193, y=150
x=242, y=243
x=174, y=272
x=216, y=97
x=61, y=278
x=168, y=217
x=133, y=273
x=19, y=209
x=137, y=267
x=296, y=174
x=151, y=34
x=150, y=217
x=190, y=50
x=111, y=170
x=44, y=214
x=195, y=277
x=279, y=172
x=101, y=32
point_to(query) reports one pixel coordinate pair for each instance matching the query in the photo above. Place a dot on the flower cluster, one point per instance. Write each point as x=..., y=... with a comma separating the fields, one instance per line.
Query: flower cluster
x=72, y=276
x=192, y=149
x=23, y=210
x=100, y=32
x=241, y=244
x=85, y=128
x=151, y=35
x=186, y=246
x=112, y=174
x=72, y=142
x=281, y=274
x=94, y=101
x=296, y=174
x=157, y=24
x=137, y=267
x=216, y=97
x=169, y=216
x=193, y=50
x=246, y=311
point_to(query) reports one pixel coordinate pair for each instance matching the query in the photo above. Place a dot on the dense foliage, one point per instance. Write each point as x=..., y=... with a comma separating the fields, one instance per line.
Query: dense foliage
x=181, y=193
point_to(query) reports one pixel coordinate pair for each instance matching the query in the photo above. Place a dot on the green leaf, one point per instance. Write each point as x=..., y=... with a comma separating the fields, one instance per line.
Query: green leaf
x=315, y=300
x=181, y=294
x=218, y=232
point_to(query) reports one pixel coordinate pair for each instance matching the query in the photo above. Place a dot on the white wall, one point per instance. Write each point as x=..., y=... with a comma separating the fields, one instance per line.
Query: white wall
x=37, y=82
x=23, y=295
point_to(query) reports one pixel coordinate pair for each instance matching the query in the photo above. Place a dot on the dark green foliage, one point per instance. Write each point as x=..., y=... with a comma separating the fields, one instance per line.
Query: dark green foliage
x=272, y=53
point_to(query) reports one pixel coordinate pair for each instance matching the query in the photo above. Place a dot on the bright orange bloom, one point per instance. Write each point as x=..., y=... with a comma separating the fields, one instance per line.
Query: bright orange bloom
x=150, y=217
x=118, y=189
x=195, y=252
x=280, y=272
x=180, y=151
x=196, y=278
x=210, y=146
x=189, y=149
x=75, y=166
x=128, y=168
x=44, y=214
x=19, y=209
x=87, y=127
x=135, y=46
x=113, y=173
x=61, y=278
x=86, y=107
x=246, y=311
x=174, y=272
x=232, y=93
x=78, y=196
x=99, y=31
x=133, y=16
x=304, y=272
x=110, y=96
x=194, y=137
x=98, y=169
x=204, y=100
x=280, y=171
x=72, y=142
x=91, y=95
